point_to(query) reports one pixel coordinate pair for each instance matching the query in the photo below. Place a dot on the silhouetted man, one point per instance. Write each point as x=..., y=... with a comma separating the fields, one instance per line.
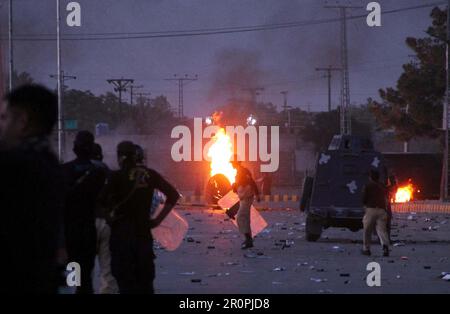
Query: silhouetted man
x=375, y=199
x=31, y=197
x=85, y=180
x=246, y=189
x=128, y=196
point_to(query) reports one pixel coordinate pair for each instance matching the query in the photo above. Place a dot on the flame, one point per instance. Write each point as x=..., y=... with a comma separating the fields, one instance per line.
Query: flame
x=404, y=193
x=221, y=153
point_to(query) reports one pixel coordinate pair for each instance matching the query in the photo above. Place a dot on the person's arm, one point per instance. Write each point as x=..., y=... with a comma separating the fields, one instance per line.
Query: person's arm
x=106, y=195
x=171, y=194
x=254, y=185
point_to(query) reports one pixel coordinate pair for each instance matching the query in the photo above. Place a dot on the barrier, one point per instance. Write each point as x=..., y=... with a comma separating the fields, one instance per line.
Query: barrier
x=276, y=199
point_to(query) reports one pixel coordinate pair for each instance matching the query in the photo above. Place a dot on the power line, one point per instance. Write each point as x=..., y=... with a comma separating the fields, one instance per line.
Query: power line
x=132, y=88
x=142, y=95
x=328, y=76
x=205, y=31
x=120, y=85
x=344, y=110
x=181, y=81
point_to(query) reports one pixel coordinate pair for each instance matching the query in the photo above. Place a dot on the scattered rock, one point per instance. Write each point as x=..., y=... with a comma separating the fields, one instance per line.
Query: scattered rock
x=279, y=269
x=319, y=279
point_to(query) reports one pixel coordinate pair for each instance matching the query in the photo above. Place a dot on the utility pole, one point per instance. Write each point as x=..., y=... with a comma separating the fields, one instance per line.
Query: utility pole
x=64, y=78
x=446, y=119
x=328, y=76
x=286, y=108
x=132, y=87
x=59, y=83
x=406, y=143
x=120, y=85
x=181, y=81
x=254, y=91
x=141, y=95
x=10, y=40
x=344, y=112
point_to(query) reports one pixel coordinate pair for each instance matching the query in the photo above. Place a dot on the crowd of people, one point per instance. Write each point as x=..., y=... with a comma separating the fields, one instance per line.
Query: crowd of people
x=53, y=214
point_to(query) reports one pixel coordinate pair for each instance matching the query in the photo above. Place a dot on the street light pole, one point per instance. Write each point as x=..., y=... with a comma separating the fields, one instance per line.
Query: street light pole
x=10, y=41
x=445, y=118
x=59, y=85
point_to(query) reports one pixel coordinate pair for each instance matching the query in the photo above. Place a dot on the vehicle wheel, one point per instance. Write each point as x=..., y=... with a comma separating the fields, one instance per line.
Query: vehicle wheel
x=216, y=188
x=310, y=237
x=306, y=193
x=313, y=228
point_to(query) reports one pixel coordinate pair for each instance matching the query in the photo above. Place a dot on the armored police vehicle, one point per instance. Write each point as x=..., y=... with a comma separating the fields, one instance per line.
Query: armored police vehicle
x=333, y=196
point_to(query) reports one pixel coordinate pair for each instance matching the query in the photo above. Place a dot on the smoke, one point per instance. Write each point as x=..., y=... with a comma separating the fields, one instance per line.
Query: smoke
x=236, y=71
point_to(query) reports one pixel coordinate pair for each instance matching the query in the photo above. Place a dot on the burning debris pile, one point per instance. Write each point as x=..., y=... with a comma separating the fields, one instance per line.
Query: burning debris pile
x=405, y=193
x=221, y=153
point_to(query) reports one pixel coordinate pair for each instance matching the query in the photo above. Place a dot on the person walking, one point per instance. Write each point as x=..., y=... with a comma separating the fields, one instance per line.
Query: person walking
x=375, y=200
x=246, y=189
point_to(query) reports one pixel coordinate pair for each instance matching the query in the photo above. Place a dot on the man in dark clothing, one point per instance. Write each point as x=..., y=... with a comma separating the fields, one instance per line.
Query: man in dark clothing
x=31, y=197
x=128, y=196
x=246, y=189
x=85, y=180
x=375, y=200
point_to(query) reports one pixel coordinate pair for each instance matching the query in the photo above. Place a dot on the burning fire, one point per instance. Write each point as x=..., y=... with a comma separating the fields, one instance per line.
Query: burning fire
x=221, y=153
x=404, y=193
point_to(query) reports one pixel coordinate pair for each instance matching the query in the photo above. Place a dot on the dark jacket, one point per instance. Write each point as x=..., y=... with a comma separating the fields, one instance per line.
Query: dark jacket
x=84, y=179
x=31, y=204
x=130, y=192
x=375, y=195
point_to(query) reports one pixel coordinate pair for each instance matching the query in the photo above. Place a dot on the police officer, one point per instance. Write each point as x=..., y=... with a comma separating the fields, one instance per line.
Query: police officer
x=246, y=189
x=85, y=181
x=31, y=197
x=375, y=200
x=128, y=196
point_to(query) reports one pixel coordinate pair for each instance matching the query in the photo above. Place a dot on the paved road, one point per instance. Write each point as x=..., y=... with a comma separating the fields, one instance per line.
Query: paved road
x=284, y=262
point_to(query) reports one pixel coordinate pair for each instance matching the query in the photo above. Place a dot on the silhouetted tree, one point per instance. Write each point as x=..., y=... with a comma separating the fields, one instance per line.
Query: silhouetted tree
x=414, y=107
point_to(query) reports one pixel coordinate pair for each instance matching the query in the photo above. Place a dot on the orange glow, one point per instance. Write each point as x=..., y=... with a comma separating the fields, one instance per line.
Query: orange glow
x=404, y=193
x=221, y=153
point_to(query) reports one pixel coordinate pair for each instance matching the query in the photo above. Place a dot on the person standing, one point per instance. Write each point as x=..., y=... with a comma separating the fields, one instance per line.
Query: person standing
x=375, y=200
x=108, y=284
x=31, y=197
x=85, y=180
x=246, y=189
x=127, y=198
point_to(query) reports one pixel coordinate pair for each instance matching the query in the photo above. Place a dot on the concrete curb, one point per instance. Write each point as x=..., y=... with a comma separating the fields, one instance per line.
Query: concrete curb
x=278, y=200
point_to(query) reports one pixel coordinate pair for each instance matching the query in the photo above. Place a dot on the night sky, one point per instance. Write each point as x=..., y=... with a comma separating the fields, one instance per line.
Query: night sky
x=277, y=59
